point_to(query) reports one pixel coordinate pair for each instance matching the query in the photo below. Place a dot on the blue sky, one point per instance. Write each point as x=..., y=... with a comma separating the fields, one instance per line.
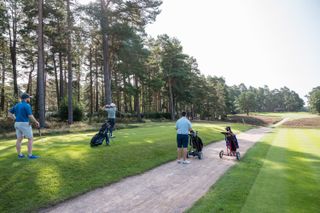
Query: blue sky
x=256, y=42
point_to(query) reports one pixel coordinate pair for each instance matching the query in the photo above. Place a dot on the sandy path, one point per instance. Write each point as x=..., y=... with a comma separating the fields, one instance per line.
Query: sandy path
x=171, y=187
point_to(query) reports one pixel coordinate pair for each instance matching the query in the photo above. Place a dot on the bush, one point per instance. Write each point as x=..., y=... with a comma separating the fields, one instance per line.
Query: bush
x=77, y=111
x=6, y=125
x=157, y=115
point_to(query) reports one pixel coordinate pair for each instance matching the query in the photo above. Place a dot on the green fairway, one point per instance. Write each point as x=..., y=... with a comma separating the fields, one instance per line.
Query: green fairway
x=69, y=167
x=279, y=174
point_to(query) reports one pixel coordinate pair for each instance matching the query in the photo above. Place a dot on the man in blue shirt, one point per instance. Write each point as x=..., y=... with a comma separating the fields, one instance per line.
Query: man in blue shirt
x=183, y=126
x=22, y=114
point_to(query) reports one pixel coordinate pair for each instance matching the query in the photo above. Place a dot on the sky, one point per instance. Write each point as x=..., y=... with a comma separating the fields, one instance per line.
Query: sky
x=255, y=42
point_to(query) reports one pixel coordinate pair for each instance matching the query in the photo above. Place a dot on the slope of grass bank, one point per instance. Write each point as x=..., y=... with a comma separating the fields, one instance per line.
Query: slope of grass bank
x=279, y=174
x=290, y=115
x=69, y=167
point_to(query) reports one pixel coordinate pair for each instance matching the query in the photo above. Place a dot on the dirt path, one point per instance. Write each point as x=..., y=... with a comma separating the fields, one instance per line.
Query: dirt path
x=171, y=187
x=280, y=122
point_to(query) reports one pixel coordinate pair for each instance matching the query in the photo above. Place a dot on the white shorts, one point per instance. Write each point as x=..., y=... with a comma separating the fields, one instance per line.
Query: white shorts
x=23, y=129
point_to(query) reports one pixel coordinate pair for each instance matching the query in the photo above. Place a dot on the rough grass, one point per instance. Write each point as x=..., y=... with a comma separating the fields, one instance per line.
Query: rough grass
x=313, y=122
x=258, y=120
x=290, y=115
x=269, y=118
x=279, y=174
x=69, y=167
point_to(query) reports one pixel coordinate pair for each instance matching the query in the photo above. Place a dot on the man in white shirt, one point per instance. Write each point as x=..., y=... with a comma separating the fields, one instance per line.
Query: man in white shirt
x=183, y=126
x=111, y=109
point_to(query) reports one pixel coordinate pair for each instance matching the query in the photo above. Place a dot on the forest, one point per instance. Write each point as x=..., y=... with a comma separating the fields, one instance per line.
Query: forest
x=76, y=58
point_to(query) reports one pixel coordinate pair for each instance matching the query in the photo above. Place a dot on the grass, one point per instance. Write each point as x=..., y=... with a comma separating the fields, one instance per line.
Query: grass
x=279, y=174
x=69, y=167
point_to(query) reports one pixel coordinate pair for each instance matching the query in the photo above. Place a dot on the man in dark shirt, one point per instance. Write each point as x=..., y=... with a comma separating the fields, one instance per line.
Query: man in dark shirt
x=22, y=114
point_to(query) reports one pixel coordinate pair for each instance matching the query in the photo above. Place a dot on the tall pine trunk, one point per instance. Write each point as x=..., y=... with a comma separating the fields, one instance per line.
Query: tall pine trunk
x=91, y=82
x=125, y=99
x=97, y=81
x=2, y=97
x=106, y=71
x=171, y=104
x=29, y=87
x=61, y=77
x=56, y=78
x=70, y=108
x=118, y=92
x=13, y=48
x=40, y=82
x=130, y=96
x=78, y=82
x=136, y=99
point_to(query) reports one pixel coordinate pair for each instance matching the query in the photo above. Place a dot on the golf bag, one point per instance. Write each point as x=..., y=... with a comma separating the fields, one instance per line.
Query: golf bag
x=101, y=135
x=196, y=145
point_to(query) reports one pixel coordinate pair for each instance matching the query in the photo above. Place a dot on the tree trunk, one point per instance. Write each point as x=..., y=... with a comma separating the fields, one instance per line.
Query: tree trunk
x=130, y=96
x=40, y=82
x=102, y=99
x=97, y=81
x=61, y=77
x=136, y=99
x=125, y=100
x=70, y=110
x=91, y=82
x=78, y=83
x=2, y=98
x=65, y=77
x=56, y=78
x=193, y=115
x=106, y=71
x=13, y=48
x=118, y=94
x=143, y=99
x=29, y=87
x=171, y=104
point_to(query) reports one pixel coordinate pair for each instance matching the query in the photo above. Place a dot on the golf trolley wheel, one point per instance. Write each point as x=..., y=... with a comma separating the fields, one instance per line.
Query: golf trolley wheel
x=188, y=155
x=238, y=155
x=221, y=154
x=200, y=155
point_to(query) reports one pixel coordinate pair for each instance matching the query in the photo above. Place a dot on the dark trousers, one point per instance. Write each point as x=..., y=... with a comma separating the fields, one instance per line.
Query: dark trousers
x=112, y=122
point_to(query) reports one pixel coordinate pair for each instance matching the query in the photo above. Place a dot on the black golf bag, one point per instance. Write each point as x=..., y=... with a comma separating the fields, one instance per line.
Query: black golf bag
x=101, y=135
x=196, y=145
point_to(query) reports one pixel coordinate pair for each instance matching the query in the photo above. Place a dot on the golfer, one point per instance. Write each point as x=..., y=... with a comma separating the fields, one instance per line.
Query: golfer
x=183, y=126
x=111, y=110
x=22, y=114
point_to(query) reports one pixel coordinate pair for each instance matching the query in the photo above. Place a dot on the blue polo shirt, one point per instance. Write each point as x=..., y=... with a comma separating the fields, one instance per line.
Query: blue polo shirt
x=183, y=125
x=22, y=111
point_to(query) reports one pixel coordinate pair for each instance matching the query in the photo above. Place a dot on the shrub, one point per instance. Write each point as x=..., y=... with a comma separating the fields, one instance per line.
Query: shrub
x=77, y=111
x=6, y=125
x=157, y=115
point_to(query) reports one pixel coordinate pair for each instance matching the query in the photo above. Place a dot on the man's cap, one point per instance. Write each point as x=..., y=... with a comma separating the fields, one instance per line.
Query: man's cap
x=25, y=96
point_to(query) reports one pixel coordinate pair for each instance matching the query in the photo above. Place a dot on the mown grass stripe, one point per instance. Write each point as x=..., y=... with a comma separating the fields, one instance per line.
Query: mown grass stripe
x=230, y=192
x=287, y=180
x=270, y=189
x=305, y=183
